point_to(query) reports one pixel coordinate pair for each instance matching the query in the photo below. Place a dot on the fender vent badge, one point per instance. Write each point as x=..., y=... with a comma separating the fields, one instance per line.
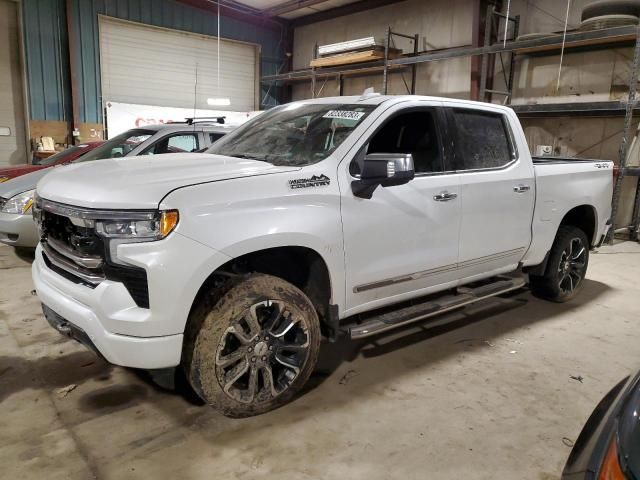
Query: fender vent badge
x=314, y=181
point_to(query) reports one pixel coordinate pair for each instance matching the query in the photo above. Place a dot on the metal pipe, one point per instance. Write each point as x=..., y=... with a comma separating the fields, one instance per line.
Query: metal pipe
x=414, y=67
x=72, y=44
x=385, y=72
x=622, y=151
x=485, y=57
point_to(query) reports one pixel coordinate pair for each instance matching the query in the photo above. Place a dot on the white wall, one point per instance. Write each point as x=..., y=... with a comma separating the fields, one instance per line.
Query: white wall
x=440, y=23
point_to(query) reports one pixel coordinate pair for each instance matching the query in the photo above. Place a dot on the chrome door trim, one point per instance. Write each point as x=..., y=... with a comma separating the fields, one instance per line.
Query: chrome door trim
x=436, y=271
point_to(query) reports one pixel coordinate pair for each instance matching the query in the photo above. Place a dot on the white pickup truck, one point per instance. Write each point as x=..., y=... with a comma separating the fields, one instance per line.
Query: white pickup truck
x=348, y=215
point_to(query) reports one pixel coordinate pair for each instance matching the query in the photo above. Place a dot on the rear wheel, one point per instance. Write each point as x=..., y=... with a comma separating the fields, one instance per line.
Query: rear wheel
x=255, y=347
x=566, y=267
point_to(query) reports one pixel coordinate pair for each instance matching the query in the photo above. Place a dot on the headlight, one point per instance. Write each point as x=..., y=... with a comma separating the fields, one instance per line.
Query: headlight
x=145, y=228
x=20, y=204
x=155, y=227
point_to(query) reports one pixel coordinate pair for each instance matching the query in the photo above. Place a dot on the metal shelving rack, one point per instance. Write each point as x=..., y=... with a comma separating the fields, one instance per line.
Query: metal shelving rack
x=549, y=45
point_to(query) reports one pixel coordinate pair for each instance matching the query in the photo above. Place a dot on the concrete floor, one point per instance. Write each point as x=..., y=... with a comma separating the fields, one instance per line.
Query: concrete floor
x=480, y=394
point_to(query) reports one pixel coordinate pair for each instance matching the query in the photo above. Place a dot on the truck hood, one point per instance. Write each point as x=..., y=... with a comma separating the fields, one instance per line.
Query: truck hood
x=142, y=182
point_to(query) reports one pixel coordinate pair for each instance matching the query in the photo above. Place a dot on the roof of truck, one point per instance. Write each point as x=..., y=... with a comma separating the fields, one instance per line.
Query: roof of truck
x=377, y=99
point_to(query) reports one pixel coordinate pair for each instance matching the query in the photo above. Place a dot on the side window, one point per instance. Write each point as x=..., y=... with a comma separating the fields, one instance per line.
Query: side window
x=213, y=137
x=187, y=142
x=414, y=132
x=482, y=139
x=182, y=143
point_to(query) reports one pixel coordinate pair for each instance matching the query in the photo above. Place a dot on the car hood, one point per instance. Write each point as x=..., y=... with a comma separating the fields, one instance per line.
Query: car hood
x=22, y=183
x=7, y=173
x=142, y=182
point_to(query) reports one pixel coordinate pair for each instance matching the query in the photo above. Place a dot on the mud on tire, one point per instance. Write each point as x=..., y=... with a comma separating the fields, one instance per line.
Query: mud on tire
x=251, y=348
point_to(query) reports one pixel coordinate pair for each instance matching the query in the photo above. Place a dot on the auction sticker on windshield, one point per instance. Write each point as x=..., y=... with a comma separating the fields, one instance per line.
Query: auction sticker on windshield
x=344, y=114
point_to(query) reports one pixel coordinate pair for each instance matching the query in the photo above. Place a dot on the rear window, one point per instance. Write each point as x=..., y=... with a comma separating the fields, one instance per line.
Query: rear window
x=65, y=154
x=482, y=139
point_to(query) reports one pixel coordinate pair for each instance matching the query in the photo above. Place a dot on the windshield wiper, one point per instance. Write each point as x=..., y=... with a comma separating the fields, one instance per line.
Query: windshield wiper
x=247, y=157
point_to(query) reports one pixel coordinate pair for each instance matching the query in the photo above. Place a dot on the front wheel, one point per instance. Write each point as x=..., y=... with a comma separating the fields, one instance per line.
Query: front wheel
x=255, y=347
x=566, y=267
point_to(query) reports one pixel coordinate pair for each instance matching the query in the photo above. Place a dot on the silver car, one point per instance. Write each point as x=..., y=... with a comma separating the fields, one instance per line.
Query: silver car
x=16, y=195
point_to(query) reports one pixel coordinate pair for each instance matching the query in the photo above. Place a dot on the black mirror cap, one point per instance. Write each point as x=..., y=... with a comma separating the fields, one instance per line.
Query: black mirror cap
x=386, y=169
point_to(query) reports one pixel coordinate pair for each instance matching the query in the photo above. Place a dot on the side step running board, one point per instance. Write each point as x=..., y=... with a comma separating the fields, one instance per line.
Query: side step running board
x=464, y=296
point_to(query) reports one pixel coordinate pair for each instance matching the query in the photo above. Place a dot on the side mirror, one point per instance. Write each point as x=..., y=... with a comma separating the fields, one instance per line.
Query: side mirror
x=385, y=169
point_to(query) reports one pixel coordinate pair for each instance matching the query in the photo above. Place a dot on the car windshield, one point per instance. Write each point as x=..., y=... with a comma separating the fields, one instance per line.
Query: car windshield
x=70, y=152
x=295, y=134
x=118, y=146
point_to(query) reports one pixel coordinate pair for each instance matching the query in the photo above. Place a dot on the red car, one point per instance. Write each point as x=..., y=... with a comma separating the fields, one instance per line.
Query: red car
x=66, y=156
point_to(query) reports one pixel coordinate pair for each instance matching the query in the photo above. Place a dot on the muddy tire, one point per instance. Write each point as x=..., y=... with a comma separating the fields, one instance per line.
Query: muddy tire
x=251, y=348
x=566, y=267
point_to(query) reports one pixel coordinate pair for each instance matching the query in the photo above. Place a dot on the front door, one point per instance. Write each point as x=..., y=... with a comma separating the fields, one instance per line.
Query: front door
x=403, y=241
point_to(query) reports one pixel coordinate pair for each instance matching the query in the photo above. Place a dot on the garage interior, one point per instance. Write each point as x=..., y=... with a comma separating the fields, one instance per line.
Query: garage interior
x=498, y=390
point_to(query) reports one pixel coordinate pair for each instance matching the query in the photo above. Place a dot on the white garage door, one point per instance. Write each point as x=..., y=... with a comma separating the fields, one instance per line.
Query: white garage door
x=156, y=66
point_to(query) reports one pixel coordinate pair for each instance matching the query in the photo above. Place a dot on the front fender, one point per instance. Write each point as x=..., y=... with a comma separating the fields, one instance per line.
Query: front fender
x=241, y=216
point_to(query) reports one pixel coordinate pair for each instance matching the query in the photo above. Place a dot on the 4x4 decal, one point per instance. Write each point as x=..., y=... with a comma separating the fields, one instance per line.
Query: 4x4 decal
x=315, y=181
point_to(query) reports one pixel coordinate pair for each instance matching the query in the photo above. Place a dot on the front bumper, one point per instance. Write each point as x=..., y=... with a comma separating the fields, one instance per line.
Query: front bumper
x=122, y=332
x=125, y=350
x=18, y=230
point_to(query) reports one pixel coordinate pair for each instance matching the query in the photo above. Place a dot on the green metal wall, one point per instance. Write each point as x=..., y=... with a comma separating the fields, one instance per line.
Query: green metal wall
x=48, y=58
x=47, y=61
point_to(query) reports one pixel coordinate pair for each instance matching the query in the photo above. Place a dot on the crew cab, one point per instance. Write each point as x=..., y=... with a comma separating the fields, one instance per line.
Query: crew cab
x=326, y=217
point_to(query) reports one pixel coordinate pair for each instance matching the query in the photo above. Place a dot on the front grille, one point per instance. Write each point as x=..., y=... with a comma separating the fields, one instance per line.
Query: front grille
x=72, y=249
x=2, y=202
x=81, y=240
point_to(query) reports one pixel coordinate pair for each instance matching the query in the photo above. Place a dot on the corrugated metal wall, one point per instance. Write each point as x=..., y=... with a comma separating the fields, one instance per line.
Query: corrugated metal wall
x=47, y=61
x=47, y=56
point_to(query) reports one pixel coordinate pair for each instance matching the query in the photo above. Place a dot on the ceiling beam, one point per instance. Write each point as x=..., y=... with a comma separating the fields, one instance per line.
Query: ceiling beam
x=245, y=14
x=292, y=6
x=342, y=11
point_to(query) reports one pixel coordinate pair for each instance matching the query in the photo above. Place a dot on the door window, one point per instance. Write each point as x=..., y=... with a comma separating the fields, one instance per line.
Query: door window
x=482, y=139
x=214, y=137
x=413, y=132
x=183, y=142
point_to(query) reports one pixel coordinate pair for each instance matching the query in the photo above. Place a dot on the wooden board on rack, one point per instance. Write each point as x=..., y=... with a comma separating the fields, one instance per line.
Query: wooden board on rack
x=354, y=57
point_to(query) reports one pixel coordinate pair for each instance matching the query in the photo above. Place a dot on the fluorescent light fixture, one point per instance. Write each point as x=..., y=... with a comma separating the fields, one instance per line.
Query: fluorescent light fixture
x=360, y=43
x=219, y=102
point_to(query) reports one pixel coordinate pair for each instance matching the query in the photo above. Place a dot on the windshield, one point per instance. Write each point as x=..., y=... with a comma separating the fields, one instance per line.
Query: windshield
x=294, y=134
x=118, y=146
x=70, y=152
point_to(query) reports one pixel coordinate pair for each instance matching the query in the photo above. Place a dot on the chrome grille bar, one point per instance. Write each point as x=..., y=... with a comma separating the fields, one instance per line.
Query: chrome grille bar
x=65, y=264
x=86, y=261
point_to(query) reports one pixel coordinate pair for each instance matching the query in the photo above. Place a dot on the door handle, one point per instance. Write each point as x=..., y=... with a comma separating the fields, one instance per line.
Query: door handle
x=521, y=188
x=445, y=196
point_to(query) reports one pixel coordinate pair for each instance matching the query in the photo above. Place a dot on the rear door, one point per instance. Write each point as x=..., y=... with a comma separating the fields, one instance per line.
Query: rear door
x=496, y=191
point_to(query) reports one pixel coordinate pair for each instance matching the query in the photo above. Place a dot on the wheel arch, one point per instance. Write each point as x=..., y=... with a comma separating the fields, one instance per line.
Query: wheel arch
x=584, y=217
x=301, y=266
